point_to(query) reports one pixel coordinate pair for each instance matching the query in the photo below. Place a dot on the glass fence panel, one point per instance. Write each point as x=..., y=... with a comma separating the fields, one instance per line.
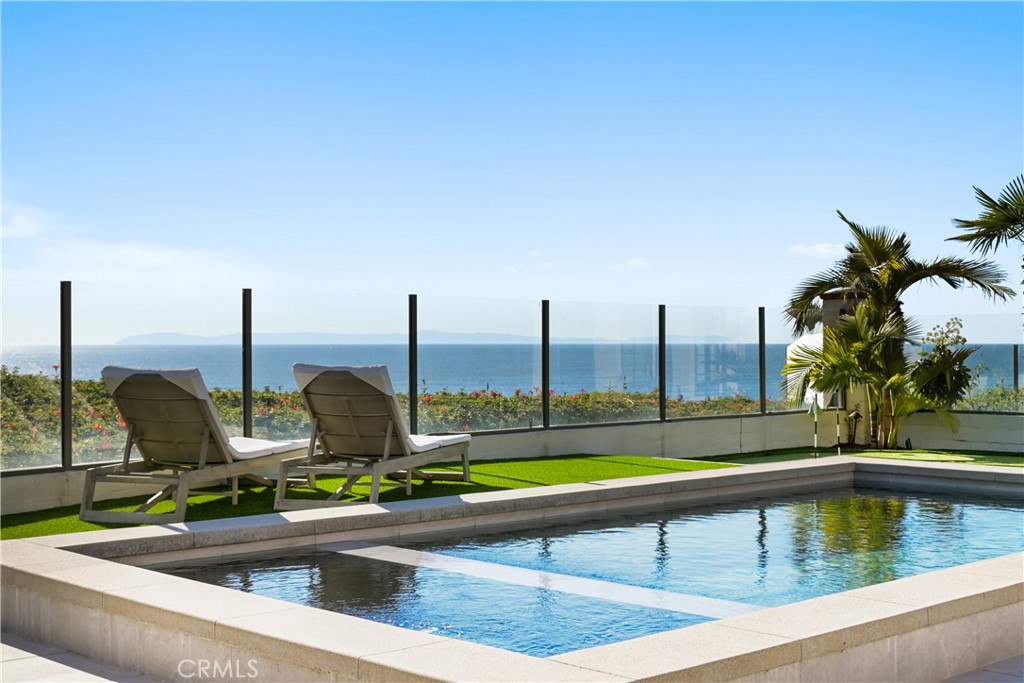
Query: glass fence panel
x=155, y=327
x=990, y=383
x=713, y=361
x=604, y=363
x=994, y=386
x=479, y=364
x=30, y=376
x=779, y=344
x=320, y=328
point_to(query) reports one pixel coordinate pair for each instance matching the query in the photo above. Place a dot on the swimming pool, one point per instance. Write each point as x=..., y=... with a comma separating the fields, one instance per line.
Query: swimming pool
x=99, y=594
x=560, y=587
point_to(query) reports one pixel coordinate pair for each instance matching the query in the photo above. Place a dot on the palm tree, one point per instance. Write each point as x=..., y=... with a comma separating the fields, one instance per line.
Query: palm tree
x=866, y=348
x=1000, y=222
x=879, y=269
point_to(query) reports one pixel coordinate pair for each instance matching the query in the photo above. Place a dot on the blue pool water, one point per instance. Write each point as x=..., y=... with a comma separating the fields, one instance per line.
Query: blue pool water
x=552, y=589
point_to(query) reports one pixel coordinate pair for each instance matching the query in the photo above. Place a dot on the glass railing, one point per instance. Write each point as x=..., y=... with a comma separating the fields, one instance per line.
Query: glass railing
x=323, y=328
x=712, y=362
x=145, y=335
x=778, y=338
x=478, y=365
x=993, y=385
x=481, y=380
x=604, y=363
x=30, y=415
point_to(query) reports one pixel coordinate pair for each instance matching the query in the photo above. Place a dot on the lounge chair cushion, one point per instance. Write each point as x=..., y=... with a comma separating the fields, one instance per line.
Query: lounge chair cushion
x=246, y=448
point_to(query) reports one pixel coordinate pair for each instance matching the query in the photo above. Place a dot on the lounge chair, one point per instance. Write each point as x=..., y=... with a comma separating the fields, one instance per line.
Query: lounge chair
x=359, y=431
x=175, y=427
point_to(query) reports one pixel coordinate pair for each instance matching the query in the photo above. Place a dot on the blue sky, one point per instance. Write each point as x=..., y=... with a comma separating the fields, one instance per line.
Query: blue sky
x=162, y=156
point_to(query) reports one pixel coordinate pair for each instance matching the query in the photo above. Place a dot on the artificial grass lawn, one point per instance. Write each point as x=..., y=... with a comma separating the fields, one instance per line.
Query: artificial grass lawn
x=488, y=475
x=963, y=457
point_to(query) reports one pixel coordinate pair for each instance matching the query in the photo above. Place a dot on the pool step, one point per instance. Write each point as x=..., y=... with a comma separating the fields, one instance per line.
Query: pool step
x=591, y=588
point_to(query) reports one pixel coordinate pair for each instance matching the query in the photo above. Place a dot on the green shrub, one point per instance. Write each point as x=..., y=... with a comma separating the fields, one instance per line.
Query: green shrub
x=30, y=413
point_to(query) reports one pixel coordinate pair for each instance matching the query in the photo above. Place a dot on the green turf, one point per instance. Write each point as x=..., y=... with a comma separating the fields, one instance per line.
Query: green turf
x=491, y=475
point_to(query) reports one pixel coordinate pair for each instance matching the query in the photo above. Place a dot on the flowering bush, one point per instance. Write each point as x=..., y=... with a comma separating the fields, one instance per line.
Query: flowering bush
x=30, y=413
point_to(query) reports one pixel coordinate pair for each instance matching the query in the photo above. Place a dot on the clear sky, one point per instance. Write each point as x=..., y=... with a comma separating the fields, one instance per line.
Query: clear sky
x=162, y=156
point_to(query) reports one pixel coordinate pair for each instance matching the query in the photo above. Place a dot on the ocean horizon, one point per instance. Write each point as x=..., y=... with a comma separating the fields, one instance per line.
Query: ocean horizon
x=694, y=370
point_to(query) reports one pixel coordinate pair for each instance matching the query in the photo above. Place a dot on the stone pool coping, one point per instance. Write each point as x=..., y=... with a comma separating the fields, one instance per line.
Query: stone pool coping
x=91, y=593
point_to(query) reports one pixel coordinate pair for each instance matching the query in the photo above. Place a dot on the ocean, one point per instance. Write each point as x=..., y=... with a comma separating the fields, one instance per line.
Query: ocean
x=694, y=371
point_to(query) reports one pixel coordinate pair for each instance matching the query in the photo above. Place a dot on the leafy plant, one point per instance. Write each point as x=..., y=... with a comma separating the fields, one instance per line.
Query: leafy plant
x=941, y=372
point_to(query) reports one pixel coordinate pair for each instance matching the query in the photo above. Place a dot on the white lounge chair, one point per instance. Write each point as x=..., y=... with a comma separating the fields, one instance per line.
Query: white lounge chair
x=359, y=431
x=175, y=427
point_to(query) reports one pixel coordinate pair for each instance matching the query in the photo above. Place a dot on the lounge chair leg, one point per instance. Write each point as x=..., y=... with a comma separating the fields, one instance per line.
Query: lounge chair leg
x=375, y=487
x=181, y=501
x=88, y=494
x=234, y=490
x=282, y=484
x=465, y=465
x=408, y=482
x=162, y=495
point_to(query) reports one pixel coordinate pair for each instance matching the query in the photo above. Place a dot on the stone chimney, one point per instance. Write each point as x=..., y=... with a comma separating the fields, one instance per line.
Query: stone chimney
x=838, y=302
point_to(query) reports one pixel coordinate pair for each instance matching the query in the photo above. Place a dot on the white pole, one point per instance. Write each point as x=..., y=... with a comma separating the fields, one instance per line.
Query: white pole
x=815, y=433
x=839, y=448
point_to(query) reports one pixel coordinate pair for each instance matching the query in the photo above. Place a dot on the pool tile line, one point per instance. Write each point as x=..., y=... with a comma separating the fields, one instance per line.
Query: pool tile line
x=533, y=578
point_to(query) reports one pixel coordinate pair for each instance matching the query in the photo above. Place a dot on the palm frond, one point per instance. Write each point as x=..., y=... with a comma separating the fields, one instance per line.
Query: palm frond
x=1000, y=222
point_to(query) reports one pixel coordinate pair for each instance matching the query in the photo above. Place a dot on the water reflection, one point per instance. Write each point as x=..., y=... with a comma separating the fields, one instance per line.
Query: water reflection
x=856, y=535
x=661, y=554
x=762, y=546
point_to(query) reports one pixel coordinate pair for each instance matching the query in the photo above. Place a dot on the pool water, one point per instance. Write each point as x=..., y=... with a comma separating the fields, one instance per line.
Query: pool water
x=546, y=590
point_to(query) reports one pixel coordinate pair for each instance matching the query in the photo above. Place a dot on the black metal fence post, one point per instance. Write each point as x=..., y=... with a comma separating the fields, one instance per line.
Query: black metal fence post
x=545, y=362
x=66, y=417
x=662, y=365
x=414, y=369
x=1016, y=367
x=762, y=359
x=247, y=408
